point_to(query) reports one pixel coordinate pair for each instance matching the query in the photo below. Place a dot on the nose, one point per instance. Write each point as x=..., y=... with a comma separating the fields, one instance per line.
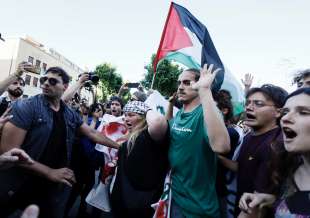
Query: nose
x=180, y=86
x=249, y=107
x=287, y=118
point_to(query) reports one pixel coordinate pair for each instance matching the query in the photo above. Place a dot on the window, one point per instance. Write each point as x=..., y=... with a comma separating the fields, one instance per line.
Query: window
x=27, y=79
x=44, y=66
x=35, y=81
x=30, y=60
x=25, y=96
x=38, y=62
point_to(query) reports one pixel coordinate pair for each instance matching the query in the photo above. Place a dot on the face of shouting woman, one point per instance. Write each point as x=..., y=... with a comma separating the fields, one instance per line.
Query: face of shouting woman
x=295, y=124
x=132, y=120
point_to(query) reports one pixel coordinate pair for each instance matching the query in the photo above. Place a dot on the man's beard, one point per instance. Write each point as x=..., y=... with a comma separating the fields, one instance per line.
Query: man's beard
x=16, y=92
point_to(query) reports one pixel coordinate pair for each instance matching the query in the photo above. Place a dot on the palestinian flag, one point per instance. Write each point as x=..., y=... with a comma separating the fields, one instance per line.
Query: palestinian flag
x=187, y=41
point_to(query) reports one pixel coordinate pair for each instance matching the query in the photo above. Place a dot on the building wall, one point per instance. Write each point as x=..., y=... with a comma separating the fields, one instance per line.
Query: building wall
x=16, y=50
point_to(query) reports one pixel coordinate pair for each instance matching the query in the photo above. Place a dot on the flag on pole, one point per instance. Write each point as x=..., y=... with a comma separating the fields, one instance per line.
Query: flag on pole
x=187, y=41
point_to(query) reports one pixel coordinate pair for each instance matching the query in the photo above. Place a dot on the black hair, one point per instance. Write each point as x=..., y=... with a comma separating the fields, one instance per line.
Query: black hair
x=94, y=107
x=20, y=79
x=225, y=93
x=274, y=93
x=116, y=98
x=298, y=92
x=301, y=75
x=224, y=103
x=60, y=72
x=196, y=73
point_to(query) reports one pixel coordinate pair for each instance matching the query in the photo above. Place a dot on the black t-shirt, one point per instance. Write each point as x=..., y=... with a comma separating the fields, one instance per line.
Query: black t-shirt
x=140, y=175
x=147, y=163
x=253, y=162
x=55, y=153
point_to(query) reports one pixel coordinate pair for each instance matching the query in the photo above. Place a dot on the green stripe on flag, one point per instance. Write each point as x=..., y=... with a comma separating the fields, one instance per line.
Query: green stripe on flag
x=183, y=59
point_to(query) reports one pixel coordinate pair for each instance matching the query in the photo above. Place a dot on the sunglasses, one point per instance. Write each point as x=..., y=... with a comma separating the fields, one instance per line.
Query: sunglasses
x=51, y=81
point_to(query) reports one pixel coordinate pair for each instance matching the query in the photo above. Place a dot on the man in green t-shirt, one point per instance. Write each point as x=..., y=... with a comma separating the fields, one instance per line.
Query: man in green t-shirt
x=197, y=133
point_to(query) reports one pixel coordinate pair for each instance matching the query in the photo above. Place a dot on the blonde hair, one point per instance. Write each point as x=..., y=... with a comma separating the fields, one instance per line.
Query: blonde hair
x=142, y=125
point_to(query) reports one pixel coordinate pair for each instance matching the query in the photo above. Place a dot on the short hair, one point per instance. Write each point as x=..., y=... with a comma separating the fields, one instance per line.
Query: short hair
x=196, y=73
x=224, y=102
x=60, y=72
x=225, y=94
x=116, y=98
x=301, y=75
x=274, y=93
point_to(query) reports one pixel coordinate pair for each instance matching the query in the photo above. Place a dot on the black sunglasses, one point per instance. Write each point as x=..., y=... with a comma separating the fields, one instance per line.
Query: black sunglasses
x=51, y=81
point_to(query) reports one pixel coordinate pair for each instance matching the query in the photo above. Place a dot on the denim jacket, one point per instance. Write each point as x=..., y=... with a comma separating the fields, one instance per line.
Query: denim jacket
x=36, y=117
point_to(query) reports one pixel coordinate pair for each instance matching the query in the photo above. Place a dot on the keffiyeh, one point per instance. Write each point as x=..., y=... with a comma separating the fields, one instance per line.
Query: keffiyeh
x=138, y=107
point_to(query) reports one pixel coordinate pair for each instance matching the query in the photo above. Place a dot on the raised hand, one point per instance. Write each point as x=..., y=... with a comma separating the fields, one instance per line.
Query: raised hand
x=22, y=67
x=172, y=99
x=83, y=78
x=248, y=79
x=207, y=75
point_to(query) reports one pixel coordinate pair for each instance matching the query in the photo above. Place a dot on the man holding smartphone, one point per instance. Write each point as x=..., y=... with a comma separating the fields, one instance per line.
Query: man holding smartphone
x=14, y=86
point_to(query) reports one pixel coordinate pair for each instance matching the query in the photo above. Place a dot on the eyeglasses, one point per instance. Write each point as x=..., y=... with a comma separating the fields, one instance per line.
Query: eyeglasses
x=51, y=81
x=257, y=103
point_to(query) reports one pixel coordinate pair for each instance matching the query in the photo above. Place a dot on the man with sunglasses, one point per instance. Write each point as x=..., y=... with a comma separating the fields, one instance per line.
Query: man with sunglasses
x=14, y=86
x=44, y=126
x=262, y=115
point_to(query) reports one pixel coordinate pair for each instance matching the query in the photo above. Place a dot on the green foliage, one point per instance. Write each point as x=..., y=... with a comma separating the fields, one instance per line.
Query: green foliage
x=109, y=80
x=166, y=77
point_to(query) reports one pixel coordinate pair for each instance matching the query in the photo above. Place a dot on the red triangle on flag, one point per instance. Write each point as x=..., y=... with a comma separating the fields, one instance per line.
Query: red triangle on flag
x=174, y=36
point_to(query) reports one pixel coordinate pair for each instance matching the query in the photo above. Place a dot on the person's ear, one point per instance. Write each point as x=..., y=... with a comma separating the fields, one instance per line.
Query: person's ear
x=66, y=86
x=225, y=111
x=278, y=113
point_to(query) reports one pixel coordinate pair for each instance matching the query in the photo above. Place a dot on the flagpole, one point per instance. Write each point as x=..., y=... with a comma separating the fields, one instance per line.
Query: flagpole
x=153, y=80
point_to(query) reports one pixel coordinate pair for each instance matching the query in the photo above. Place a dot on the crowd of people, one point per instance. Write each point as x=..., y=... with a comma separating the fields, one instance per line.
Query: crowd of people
x=222, y=161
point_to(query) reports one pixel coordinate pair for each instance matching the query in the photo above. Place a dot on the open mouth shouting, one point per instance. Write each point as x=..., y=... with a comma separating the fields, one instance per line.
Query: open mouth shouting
x=289, y=134
x=250, y=117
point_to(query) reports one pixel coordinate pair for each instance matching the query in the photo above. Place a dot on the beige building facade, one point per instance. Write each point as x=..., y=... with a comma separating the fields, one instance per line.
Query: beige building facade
x=15, y=50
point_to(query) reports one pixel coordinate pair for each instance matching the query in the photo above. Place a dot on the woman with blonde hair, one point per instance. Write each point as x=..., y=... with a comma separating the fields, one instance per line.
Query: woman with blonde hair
x=142, y=162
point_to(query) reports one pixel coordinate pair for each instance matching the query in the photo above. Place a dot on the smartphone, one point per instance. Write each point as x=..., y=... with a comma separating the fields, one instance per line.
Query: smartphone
x=133, y=85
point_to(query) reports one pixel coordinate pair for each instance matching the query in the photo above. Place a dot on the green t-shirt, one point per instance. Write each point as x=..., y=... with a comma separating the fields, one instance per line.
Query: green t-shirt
x=193, y=165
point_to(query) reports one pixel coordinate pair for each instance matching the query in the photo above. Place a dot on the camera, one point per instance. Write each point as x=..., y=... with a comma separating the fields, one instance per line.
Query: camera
x=93, y=79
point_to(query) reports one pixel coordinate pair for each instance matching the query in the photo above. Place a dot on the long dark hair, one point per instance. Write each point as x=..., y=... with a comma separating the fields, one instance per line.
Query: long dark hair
x=283, y=163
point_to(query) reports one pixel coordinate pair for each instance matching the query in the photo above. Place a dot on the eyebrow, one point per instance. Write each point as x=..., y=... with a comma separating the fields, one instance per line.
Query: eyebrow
x=303, y=108
x=186, y=80
x=298, y=108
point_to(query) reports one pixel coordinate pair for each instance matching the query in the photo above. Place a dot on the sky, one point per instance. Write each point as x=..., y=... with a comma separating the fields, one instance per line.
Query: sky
x=267, y=38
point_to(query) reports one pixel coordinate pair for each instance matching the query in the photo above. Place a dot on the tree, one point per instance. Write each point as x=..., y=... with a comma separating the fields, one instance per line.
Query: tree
x=166, y=76
x=109, y=80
